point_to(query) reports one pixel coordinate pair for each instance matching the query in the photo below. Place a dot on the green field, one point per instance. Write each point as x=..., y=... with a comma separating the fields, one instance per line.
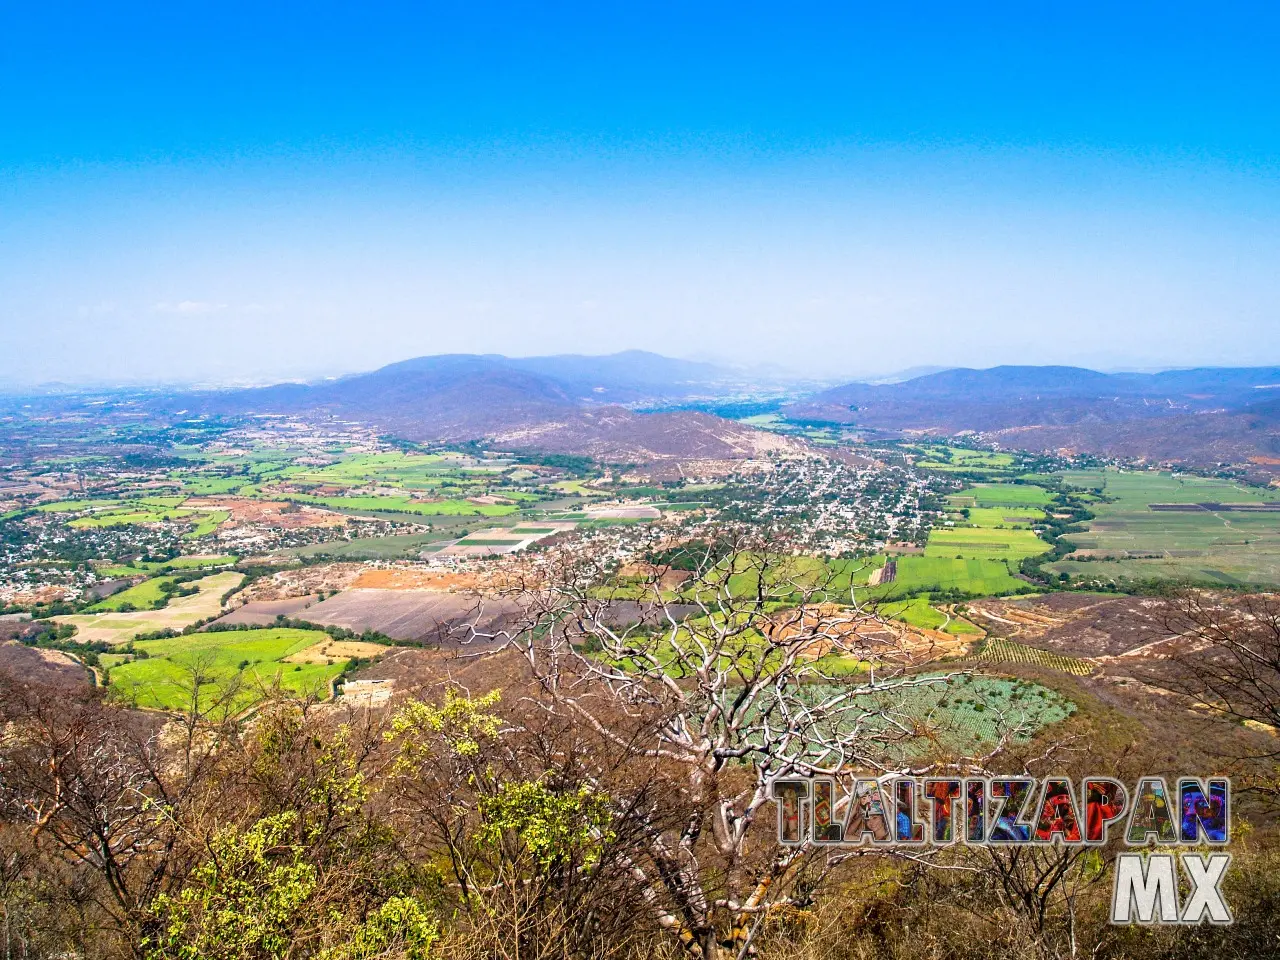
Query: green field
x=147, y=595
x=207, y=523
x=448, y=477
x=918, y=613
x=251, y=658
x=979, y=577
x=965, y=714
x=121, y=627
x=574, y=487
x=997, y=526
x=439, y=508
x=178, y=563
x=73, y=506
x=121, y=518
x=961, y=459
x=374, y=548
x=1002, y=495
x=844, y=580
x=835, y=578
x=998, y=517
x=408, y=471
x=1129, y=540
x=984, y=543
x=198, y=486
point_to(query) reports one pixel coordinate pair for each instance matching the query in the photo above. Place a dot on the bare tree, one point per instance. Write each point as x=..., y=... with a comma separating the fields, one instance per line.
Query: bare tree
x=760, y=666
x=104, y=789
x=1225, y=653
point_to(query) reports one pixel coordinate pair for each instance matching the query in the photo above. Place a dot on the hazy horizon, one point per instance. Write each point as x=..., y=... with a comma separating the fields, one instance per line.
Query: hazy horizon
x=778, y=377
x=266, y=195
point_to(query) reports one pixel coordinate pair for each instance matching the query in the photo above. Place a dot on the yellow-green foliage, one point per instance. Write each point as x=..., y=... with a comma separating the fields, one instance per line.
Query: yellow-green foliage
x=339, y=786
x=258, y=888
x=553, y=827
x=463, y=722
x=401, y=927
x=243, y=901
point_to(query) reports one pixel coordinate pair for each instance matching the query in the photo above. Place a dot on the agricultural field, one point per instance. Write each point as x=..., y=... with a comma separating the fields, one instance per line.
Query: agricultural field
x=949, y=459
x=376, y=548
x=917, y=612
x=574, y=488
x=1002, y=517
x=255, y=659
x=838, y=579
x=407, y=505
x=76, y=506
x=207, y=524
x=117, y=627
x=966, y=714
x=975, y=577
x=411, y=471
x=129, y=515
x=999, y=650
x=1128, y=539
x=199, y=486
x=148, y=595
x=98, y=514
x=1002, y=495
x=417, y=615
x=500, y=540
x=980, y=554
x=177, y=563
x=984, y=543
x=390, y=483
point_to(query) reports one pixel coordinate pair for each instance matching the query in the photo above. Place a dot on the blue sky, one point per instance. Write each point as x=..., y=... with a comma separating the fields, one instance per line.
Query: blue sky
x=226, y=192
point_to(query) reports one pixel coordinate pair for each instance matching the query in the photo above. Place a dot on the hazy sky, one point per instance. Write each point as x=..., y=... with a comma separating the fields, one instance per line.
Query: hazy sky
x=221, y=192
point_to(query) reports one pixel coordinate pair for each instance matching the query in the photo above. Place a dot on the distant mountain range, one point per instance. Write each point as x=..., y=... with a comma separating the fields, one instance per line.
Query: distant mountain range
x=580, y=404
x=1204, y=415
x=566, y=403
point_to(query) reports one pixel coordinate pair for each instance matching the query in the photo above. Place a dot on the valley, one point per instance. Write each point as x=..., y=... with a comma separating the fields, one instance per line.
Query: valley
x=918, y=598
x=639, y=482
x=142, y=528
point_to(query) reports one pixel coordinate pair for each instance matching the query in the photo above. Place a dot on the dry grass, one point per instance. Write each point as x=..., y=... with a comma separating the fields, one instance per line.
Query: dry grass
x=334, y=650
x=181, y=612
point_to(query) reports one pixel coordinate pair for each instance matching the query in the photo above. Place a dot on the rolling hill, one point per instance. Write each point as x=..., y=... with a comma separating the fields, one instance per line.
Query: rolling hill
x=562, y=403
x=1204, y=415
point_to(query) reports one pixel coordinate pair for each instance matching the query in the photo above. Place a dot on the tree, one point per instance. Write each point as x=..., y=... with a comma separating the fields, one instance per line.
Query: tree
x=1224, y=652
x=738, y=682
x=99, y=790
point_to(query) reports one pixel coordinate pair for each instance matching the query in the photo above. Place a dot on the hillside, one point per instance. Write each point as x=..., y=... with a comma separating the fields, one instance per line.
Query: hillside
x=615, y=433
x=1204, y=415
x=562, y=403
